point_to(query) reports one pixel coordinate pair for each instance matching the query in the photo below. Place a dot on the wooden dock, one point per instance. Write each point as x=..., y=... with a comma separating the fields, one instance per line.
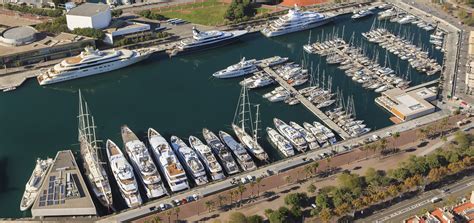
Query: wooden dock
x=308, y=104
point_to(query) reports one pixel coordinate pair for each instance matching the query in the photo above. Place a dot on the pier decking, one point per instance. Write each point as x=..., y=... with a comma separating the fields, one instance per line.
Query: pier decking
x=308, y=104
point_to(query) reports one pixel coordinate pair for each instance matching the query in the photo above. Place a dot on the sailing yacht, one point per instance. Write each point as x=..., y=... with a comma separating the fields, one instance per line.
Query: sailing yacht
x=224, y=155
x=143, y=164
x=291, y=134
x=249, y=142
x=243, y=158
x=123, y=174
x=296, y=20
x=168, y=162
x=91, y=62
x=94, y=169
x=34, y=183
x=207, y=158
x=280, y=142
x=207, y=39
x=243, y=67
x=190, y=160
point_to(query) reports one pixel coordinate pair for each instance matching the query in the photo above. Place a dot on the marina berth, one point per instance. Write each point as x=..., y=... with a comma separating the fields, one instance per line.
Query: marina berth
x=296, y=20
x=291, y=134
x=221, y=151
x=94, y=169
x=242, y=68
x=250, y=143
x=318, y=133
x=207, y=157
x=34, y=183
x=168, y=162
x=91, y=62
x=190, y=160
x=123, y=174
x=243, y=158
x=206, y=39
x=282, y=144
x=143, y=164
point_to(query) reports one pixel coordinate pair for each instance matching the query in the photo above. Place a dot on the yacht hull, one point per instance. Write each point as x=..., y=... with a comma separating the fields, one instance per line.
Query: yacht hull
x=297, y=28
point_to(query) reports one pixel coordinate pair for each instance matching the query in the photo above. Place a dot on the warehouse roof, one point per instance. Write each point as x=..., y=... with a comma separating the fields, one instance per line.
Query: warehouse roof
x=89, y=9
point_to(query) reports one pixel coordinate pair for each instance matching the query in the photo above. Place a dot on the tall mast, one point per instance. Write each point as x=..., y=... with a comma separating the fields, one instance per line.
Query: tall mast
x=257, y=113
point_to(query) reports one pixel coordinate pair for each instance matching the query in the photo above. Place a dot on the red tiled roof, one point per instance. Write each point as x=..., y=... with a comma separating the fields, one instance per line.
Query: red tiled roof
x=439, y=215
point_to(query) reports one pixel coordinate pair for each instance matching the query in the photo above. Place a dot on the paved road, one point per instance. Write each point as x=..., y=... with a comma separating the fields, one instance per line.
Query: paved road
x=410, y=207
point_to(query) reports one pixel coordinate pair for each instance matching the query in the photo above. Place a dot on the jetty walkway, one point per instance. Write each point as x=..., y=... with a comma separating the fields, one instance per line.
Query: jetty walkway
x=310, y=106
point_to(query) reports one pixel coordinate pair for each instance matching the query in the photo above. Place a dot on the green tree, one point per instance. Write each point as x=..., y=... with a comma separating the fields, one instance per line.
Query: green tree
x=117, y=12
x=209, y=205
x=325, y=214
x=258, y=181
x=296, y=199
x=237, y=217
x=311, y=188
x=221, y=198
x=255, y=219
x=462, y=13
x=323, y=201
x=176, y=212
x=241, y=189
x=89, y=32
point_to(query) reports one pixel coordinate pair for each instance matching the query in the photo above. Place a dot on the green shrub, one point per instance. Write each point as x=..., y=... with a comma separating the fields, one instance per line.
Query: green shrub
x=151, y=15
x=35, y=11
x=89, y=32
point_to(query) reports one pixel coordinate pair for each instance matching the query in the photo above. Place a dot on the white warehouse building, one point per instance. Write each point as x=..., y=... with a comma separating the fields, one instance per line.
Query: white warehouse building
x=89, y=15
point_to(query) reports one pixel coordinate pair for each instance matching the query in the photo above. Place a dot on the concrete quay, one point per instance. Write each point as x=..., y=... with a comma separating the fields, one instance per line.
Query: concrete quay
x=308, y=104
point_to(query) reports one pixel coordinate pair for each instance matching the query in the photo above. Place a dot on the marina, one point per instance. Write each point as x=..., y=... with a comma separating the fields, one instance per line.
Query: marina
x=201, y=79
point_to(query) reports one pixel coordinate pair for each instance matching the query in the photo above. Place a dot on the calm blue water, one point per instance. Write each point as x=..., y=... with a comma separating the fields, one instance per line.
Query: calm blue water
x=175, y=96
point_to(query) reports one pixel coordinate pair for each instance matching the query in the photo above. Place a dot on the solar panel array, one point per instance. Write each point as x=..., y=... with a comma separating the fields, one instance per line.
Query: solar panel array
x=55, y=194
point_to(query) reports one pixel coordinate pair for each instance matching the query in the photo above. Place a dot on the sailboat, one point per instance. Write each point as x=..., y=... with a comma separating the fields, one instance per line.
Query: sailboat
x=239, y=127
x=94, y=169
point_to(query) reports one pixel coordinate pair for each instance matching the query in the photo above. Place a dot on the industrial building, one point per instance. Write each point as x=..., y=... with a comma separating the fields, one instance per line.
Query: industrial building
x=407, y=105
x=64, y=192
x=469, y=80
x=17, y=36
x=121, y=28
x=89, y=15
x=45, y=48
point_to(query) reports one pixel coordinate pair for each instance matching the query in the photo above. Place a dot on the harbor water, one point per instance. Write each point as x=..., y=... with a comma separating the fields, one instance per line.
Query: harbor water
x=176, y=96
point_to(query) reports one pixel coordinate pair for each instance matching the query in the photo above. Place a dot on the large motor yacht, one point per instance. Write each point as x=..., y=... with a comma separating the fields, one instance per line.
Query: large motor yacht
x=280, y=142
x=296, y=20
x=143, y=163
x=206, y=39
x=91, y=62
x=221, y=151
x=207, y=157
x=168, y=162
x=34, y=183
x=241, y=68
x=295, y=137
x=190, y=160
x=243, y=158
x=123, y=173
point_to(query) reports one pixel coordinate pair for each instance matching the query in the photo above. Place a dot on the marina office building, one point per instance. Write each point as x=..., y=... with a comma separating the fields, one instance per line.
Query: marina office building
x=407, y=105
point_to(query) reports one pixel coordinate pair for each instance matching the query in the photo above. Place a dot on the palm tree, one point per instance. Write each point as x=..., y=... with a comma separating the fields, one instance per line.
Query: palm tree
x=231, y=194
x=328, y=160
x=252, y=185
x=156, y=219
x=241, y=189
x=308, y=169
x=258, y=181
x=288, y=179
x=383, y=144
x=209, y=204
x=221, y=198
x=396, y=135
x=176, y=212
x=315, y=166
x=169, y=213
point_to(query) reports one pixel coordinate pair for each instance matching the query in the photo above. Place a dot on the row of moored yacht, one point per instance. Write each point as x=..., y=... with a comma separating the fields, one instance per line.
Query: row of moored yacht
x=399, y=16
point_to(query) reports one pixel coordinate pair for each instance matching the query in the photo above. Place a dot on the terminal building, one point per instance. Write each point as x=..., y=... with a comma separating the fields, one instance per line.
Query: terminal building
x=64, y=192
x=89, y=15
x=407, y=105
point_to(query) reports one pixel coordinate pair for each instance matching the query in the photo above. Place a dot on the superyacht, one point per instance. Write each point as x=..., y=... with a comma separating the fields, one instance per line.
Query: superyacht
x=250, y=143
x=225, y=156
x=91, y=62
x=280, y=142
x=291, y=134
x=243, y=158
x=93, y=166
x=192, y=163
x=143, y=163
x=361, y=14
x=207, y=157
x=296, y=20
x=307, y=135
x=242, y=68
x=123, y=173
x=34, y=183
x=206, y=39
x=168, y=162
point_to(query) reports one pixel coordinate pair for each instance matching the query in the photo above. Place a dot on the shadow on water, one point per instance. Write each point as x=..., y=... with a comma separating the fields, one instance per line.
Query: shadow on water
x=3, y=175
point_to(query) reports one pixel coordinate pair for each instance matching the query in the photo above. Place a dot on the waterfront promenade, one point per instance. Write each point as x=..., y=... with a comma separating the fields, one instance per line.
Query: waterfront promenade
x=308, y=104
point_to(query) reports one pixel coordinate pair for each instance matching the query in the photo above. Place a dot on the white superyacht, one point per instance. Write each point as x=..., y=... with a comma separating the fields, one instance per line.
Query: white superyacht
x=296, y=20
x=93, y=166
x=91, y=62
x=190, y=160
x=34, y=183
x=206, y=39
x=123, y=173
x=168, y=162
x=228, y=162
x=243, y=67
x=280, y=142
x=291, y=134
x=243, y=158
x=307, y=135
x=207, y=157
x=143, y=163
